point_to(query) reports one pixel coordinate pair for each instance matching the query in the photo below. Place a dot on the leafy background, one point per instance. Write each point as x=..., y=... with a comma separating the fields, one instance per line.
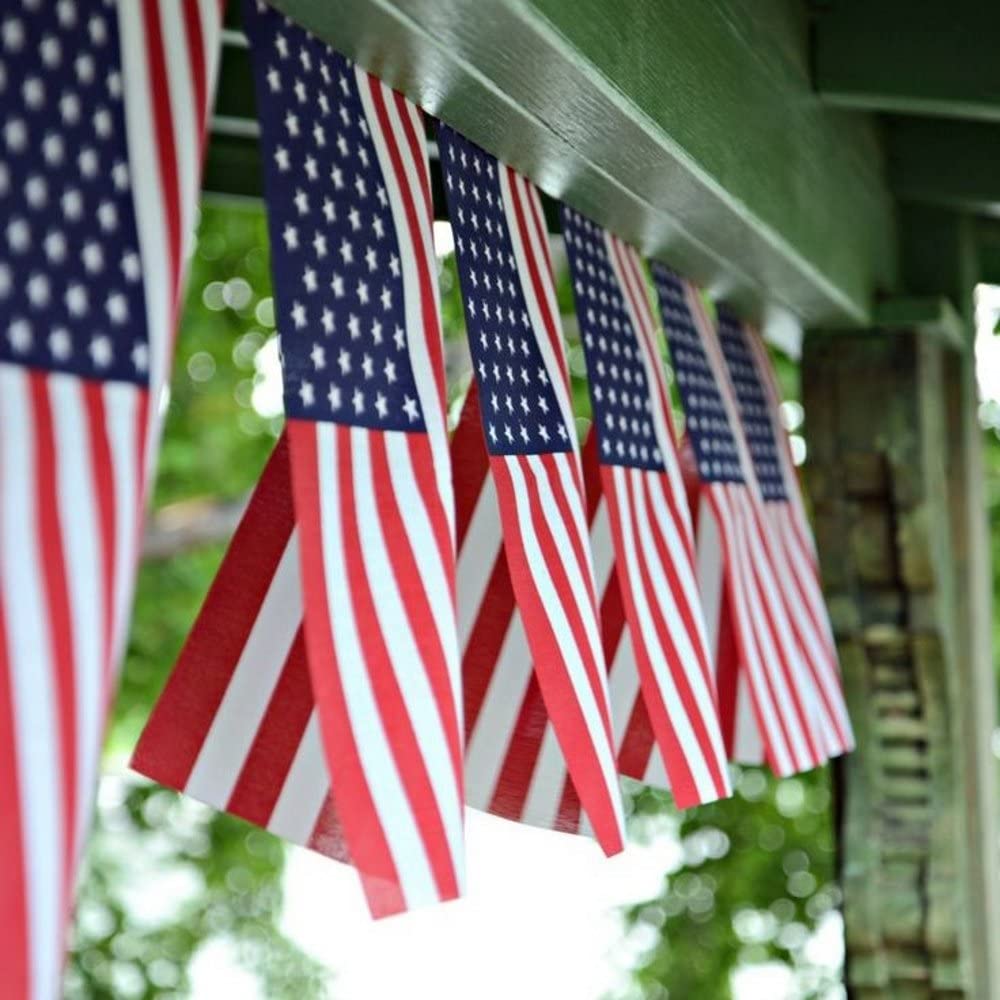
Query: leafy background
x=164, y=876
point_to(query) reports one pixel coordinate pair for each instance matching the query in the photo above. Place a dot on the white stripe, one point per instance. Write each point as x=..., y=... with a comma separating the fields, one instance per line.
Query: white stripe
x=482, y=544
x=490, y=740
x=548, y=777
x=552, y=606
x=665, y=685
x=555, y=364
x=710, y=575
x=304, y=789
x=184, y=124
x=602, y=548
x=368, y=731
x=210, y=12
x=80, y=528
x=748, y=746
x=433, y=576
x=258, y=670
x=421, y=242
x=147, y=196
x=36, y=729
x=623, y=687
x=401, y=645
x=580, y=573
x=122, y=407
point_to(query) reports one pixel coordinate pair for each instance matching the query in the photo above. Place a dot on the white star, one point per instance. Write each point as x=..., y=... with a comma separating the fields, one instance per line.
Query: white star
x=362, y=292
x=381, y=405
x=309, y=279
x=60, y=344
x=291, y=237
x=358, y=399
x=5, y=280
x=107, y=216
x=312, y=171
x=34, y=92
x=319, y=245
x=344, y=360
x=36, y=190
x=38, y=290
x=55, y=246
x=98, y=30
x=273, y=80
x=301, y=201
x=319, y=135
x=327, y=321
x=354, y=216
x=337, y=176
x=130, y=266
x=84, y=66
x=377, y=331
x=20, y=336
x=399, y=337
x=72, y=204
x=102, y=122
x=51, y=51
x=371, y=258
x=318, y=356
x=53, y=149
x=307, y=394
x=394, y=265
x=15, y=134
x=390, y=372
x=76, y=299
x=367, y=366
x=88, y=162
x=281, y=158
x=140, y=357
x=13, y=34
x=116, y=307
x=69, y=108
x=337, y=285
x=346, y=251
x=292, y=124
x=119, y=175
x=334, y=397
x=410, y=408
x=299, y=315
x=101, y=350
x=329, y=211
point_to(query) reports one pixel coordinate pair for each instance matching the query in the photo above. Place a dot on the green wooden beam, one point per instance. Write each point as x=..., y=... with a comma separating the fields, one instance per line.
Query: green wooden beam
x=950, y=163
x=909, y=57
x=690, y=129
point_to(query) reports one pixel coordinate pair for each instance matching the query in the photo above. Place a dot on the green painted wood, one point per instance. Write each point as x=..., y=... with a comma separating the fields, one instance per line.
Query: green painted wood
x=690, y=129
x=930, y=316
x=919, y=58
x=943, y=162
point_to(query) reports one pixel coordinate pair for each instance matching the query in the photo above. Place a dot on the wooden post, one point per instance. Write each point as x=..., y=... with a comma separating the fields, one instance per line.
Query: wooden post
x=894, y=476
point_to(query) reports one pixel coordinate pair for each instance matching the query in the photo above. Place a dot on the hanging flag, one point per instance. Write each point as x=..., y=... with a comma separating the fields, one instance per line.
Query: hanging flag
x=347, y=185
x=523, y=393
x=781, y=691
x=104, y=111
x=647, y=508
x=758, y=402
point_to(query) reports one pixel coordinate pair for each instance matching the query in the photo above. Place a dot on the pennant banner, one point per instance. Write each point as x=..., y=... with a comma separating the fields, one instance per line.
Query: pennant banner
x=523, y=392
x=349, y=207
x=781, y=691
x=104, y=111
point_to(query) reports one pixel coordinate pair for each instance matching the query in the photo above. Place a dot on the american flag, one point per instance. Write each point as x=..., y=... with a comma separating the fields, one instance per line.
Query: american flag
x=523, y=394
x=349, y=206
x=781, y=691
x=103, y=108
x=758, y=403
x=647, y=507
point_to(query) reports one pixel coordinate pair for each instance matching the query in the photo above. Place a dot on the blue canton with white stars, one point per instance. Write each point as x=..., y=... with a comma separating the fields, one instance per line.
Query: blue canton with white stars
x=755, y=412
x=334, y=247
x=619, y=389
x=521, y=413
x=706, y=420
x=71, y=295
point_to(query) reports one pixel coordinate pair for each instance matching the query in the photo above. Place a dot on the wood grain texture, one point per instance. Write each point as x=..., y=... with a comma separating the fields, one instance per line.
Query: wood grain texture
x=690, y=129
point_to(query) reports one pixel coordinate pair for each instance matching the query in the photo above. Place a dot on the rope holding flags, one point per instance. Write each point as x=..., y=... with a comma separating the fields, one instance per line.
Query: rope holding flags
x=403, y=624
x=104, y=109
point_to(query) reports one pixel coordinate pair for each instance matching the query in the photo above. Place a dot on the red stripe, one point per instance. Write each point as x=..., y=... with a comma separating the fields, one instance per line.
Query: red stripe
x=596, y=671
x=470, y=463
x=681, y=779
x=727, y=672
x=173, y=737
x=571, y=727
x=410, y=584
x=591, y=470
x=269, y=759
x=166, y=152
x=637, y=746
x=196, y=61
x=13, y=885
x=403, y=742
x=521, y=755
x=356, y=810
x=422, y=464
x=431, y=324
x=537, y=278
x=328, y=838
x=568, y=816
x=103, y=486
x=60, y=621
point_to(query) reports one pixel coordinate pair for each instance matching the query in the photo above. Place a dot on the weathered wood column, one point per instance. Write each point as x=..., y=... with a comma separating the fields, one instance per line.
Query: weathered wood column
x=893, y=473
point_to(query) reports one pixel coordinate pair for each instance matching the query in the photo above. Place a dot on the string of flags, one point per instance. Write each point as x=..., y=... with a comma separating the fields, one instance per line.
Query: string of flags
x=407, y=621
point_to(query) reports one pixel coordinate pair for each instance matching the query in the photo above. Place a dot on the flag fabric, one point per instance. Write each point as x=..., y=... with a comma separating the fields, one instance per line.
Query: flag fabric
x=347, y=186
x=783, y=697
x=758, y=404
x=104, y=107
x=647, y=508
x=523, y=394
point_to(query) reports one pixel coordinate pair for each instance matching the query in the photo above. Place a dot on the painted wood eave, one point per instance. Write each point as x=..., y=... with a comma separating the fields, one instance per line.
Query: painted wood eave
x=690, y=129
